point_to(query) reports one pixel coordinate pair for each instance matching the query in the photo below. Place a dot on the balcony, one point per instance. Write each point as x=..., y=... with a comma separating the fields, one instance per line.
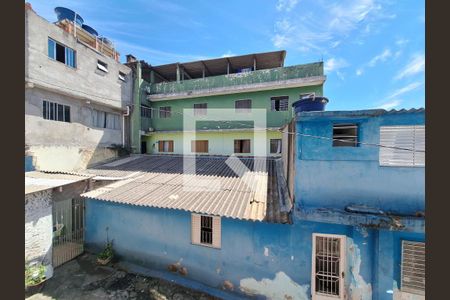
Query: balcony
x=275, y=78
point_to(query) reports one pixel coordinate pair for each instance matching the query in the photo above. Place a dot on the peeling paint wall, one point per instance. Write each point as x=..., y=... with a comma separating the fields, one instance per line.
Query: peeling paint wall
x=254, y=257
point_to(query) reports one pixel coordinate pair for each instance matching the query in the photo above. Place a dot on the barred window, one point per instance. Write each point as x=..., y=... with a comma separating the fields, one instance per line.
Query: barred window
x=206, y=230
x=200, y=109
x=56, y=112
x=345, y=135
x=165, y=112
x=146, y=112
x=279, y=103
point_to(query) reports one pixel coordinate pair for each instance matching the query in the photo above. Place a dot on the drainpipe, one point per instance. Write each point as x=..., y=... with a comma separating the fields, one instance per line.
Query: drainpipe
x=123, y=125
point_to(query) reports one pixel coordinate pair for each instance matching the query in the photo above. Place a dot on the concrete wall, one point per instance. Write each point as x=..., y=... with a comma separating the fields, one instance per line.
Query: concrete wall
x=219, y=143
x=38, y=227
x=335, y=177
x=66, y=146
x=70, y=146
x=84, y=81
x=258, y=258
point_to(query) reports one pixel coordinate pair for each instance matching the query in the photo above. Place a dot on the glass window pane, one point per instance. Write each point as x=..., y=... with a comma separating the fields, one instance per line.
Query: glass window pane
x=60, y=116
x=44, y=109
x=67, y=113
x=51, y=48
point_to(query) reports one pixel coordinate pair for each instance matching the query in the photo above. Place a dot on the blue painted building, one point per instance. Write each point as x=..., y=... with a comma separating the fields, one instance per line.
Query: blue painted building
x=353, y=230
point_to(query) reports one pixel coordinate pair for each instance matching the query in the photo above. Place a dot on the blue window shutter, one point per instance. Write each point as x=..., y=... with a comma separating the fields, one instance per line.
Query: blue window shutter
x=51, y=48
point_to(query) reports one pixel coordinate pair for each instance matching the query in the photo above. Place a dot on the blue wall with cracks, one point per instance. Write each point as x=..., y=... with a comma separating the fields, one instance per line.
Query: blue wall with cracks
x=251, y=251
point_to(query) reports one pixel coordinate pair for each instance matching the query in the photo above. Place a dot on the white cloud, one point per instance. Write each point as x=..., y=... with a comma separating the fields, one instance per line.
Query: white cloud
x=406, y=89
x=415, y=66
x=359, y=72
x=390, y=104
x=326, y=24
x=228, y=54
x=382, y=57
x=401, y=42
x=335, y=64
x=286, y=5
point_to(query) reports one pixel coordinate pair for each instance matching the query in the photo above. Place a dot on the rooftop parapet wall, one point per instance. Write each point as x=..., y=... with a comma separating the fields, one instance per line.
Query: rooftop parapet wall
x=278, y=76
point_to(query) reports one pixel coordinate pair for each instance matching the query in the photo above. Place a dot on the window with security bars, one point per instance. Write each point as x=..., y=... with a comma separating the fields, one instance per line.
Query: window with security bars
x=200, y=109
x=327, y=265
x=56, y=112
x=404, y=146
x=243, y=106
x=146, y=112
x=279, y=103
x=165, y=112
x=413, y=267
x=345, y=135
x=275, y=146
x=206, y=230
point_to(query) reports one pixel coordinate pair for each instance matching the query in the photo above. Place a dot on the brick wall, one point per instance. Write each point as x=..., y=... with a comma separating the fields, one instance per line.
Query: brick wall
x=38, y=227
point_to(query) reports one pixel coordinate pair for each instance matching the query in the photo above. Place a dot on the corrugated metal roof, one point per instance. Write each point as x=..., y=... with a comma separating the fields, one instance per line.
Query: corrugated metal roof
x=158, y=181
x=39, y=181
x=352, y=113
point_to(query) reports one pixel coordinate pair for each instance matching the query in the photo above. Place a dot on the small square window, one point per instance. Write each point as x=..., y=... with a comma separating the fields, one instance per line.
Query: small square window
x=279, y=103
x=165, y=146
x=200, y=109
x=102, y=66
x=165, y=112
x=345, y=135
x=122, y=76
x=206, y=230
x=242, y=146
x=243, y=106
x=275, y=146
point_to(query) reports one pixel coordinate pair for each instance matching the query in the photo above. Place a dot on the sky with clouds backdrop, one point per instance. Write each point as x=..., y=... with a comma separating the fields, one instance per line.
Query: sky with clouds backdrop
x=373, y=50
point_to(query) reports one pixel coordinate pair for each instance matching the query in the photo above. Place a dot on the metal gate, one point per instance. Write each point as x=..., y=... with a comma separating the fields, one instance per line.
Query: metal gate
x=328, y=264
x=68, y=230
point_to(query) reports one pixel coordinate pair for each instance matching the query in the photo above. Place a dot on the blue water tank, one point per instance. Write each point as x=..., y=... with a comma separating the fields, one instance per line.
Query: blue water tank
x=90, y=29
x=65, y=13
x=310, y=104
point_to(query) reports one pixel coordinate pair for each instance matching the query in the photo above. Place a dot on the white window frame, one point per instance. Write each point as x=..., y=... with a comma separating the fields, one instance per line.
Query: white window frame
x=277, y=98
x=216, y=230
x=65, y=53
x=56, y=113
x=346, y=137
x=342, y=267
x=402, y=136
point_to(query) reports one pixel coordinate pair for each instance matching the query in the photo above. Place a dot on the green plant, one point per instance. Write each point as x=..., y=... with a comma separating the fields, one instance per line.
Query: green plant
x=34, y=274
x=107, y=252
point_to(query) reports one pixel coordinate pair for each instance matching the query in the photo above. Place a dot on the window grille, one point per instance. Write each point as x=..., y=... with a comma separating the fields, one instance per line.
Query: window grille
x=200, y=109
x=206, y=230
x=146, y=112
x=327, y=265
x=279, y=103
x=413, y=267
x=345, y=135
x=56, y=112
x=406, y=137
x=165, y=112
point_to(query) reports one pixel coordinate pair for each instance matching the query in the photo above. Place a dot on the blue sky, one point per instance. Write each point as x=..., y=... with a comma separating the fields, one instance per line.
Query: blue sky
x=373, y=50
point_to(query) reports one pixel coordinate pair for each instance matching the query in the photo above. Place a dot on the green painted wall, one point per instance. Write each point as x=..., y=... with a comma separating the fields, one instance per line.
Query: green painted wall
x=260, y=99
x=220, y=143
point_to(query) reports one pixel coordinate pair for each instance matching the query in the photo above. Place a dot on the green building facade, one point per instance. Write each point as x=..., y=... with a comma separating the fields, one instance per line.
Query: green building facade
x=239, y=83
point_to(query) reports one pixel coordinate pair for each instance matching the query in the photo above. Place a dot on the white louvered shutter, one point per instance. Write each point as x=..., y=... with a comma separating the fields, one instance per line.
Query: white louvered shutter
x=195, y=229
x=217, y=232
x=406, y=137
x=413, y=267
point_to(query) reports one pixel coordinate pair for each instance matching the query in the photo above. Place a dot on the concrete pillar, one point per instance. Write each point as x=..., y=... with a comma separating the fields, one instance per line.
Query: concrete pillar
x=178, y=73
x=135, y=123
